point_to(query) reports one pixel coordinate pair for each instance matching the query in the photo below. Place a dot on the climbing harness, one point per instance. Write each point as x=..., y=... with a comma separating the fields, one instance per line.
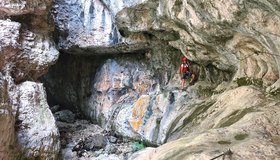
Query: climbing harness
x=228, y=152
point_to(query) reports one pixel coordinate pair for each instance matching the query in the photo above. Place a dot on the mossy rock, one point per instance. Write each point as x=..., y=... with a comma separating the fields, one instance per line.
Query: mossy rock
x=207, y=91
x=276, y=93
x=137, y=146
x=234, y=117
x=223, y=142
x=158, y=120
x=196, y=115
x=246, y=81
x=241, y=137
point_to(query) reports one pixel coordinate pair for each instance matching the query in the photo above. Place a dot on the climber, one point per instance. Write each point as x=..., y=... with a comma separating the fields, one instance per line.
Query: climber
x=185, y=72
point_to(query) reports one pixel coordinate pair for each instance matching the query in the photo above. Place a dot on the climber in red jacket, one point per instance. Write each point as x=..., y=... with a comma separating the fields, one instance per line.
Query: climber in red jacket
x=185, y=72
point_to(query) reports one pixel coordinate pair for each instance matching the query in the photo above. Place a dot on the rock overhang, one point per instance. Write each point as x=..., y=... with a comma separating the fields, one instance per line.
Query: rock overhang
x=122, y=48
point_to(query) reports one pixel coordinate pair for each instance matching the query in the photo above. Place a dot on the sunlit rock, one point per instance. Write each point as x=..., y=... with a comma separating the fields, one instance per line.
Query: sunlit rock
x=27, y=54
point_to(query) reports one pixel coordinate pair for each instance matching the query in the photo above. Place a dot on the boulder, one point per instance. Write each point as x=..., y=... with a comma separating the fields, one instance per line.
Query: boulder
x=95, y=142
x=65, y=116
x=55, y=108
x=37, y=133
x=26, y=55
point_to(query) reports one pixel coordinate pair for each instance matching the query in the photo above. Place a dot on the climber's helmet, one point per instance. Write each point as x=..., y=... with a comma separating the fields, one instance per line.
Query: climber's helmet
x=184, y=59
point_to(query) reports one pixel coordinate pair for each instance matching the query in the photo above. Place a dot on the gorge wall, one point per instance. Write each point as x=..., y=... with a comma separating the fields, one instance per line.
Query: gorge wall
x=27, y=126
x=118, y=66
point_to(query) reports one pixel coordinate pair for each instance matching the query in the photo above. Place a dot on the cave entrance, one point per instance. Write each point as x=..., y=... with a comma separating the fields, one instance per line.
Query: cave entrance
x=89, y=85
x=69, y=82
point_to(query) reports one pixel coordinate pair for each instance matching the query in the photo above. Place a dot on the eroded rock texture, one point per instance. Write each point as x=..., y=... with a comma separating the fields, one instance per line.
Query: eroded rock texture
x=241, y=36
x=231, y=44
x=7, y=119
x=36, y=131
x=27, y=55
x=81, y=22
x=26, y=52
x=230, y=120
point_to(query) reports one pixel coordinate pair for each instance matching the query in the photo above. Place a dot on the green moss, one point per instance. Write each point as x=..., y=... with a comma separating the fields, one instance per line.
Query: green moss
x=199, y=110
x=240, y=137
x=276, y=93
x=246, y=81
x=158, y=121
x=137, y=146
x=194, y=117
x=175, y=122
x=207, y=92
x=235, y=116
x=224, y=142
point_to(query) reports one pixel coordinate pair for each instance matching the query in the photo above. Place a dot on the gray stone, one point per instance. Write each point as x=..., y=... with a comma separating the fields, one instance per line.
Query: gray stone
x=19, y=8
x=110, y=149
x=37, y=134
x=24, y=54
x=231, y=121
x=231, y=42
x=95, y=142
x=55, y=108
x=112, y=139
x=82, y=22
x=65, y=116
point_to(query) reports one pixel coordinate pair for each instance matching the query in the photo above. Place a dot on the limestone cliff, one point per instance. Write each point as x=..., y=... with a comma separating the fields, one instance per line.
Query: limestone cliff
x=118, y=66
x=26, y=51
x=230, y=44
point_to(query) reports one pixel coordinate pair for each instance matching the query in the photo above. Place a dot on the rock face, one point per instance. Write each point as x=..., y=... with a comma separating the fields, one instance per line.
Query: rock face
x=230, y=43
x=88, y=27
x=106, y=94
x=230, y=121
x=26, y=52
x=81, y=22
x=240, y=37
x=10, y=8
x=37, y=133
x=7, y=119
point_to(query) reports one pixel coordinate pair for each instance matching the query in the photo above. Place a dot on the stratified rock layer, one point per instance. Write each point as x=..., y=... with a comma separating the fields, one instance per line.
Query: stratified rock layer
x=230, y=121
x=237, y=36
